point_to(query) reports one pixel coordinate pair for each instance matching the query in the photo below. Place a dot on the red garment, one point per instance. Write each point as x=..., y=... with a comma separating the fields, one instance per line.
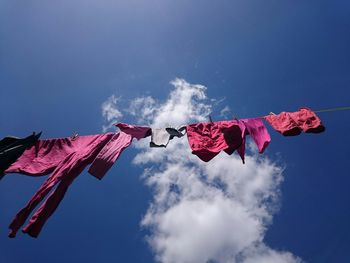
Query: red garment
x=65, y=158
x=208, y=139
x=293, y=123
x=137, y=132
x=111, y=152
x=257, y=130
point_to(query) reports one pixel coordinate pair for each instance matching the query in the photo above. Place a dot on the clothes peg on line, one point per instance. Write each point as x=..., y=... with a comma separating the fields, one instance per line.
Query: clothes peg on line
x=74, y=136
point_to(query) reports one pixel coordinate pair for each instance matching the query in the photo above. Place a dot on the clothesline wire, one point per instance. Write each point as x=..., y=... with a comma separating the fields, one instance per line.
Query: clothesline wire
x=319, y=111
x=333, y=109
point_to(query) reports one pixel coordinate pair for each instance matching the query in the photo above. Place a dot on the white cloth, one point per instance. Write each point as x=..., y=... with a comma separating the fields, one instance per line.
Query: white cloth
x=160, y=137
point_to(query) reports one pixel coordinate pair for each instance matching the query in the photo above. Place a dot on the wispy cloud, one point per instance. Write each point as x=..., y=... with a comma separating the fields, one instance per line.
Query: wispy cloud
x=205, y=212
x=110, y=112
x=225, y=111
x=142, y=109
x=186, y=102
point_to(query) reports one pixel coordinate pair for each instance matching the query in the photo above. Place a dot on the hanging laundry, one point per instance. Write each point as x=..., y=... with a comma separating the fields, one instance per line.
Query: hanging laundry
x=257, y=130
x=293, y=123
x=65, y=159
x=208, y=139
x=137, y=132
x=11, y=148
x=113, y=149
x=161, y=137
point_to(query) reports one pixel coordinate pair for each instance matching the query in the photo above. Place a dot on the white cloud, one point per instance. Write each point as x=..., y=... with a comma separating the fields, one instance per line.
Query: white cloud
x=225, y=111
x=201, y=229
x=185, y=103
x=142, y=108
x=205, y=212
x=263, y=254
x=110, y=112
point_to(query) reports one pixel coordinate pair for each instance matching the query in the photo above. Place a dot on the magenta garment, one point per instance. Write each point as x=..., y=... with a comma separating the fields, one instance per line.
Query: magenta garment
x=257, y=130
x=109, y=154
x=137, y=132
x=115, y=146
x=65, y=158
x=293, y=123
x=208, y=139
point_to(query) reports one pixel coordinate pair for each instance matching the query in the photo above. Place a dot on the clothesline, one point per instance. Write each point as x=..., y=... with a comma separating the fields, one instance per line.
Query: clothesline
x=333, y=109
x=316, y=111
x=66, y=158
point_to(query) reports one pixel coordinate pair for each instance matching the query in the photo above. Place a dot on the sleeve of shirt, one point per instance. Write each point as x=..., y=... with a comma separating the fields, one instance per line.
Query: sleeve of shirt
x=109, y=154
x=112, y=150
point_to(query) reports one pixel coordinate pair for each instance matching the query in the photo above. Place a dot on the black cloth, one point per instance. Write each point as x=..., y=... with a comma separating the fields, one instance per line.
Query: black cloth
x=11, y=148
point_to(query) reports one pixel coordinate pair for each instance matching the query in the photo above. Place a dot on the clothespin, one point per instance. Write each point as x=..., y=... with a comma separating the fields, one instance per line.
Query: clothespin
x=271, y=113
x=210, y=119
x=74, y=136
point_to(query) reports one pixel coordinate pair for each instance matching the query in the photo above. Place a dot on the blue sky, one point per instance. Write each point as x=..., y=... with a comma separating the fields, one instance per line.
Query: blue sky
x=59, y=62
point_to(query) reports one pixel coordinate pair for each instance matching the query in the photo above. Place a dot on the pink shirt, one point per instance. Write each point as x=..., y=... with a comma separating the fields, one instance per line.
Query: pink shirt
x=65, y=159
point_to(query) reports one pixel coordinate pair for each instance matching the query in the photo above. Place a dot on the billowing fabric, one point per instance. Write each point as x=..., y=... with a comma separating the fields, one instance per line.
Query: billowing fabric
x=208, y=139
x=137, y=132
x=257, y=130
x=65, y=159
x=116, y=146
x=161, y=136
x=293, y=123
x=11, y=148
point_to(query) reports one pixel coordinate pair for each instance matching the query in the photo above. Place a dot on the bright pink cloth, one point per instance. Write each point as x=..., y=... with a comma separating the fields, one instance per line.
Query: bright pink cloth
x=293, y=123
x=110, y=153
x=208, y=139
x=66, y=159
x=257, y=130
x=137, y=132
